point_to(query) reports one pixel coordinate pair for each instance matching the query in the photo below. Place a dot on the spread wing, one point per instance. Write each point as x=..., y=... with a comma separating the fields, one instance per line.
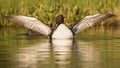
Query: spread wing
x=30, y=23
x=90, y=20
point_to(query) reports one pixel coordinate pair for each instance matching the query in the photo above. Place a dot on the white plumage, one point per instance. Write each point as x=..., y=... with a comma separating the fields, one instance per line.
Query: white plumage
x=62, y=32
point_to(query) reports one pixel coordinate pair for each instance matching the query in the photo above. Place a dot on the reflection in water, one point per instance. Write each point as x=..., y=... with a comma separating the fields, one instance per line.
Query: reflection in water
x=29, y=57
x=89, y=55
x=97, y=48
x=61, y=53
x=62, y=50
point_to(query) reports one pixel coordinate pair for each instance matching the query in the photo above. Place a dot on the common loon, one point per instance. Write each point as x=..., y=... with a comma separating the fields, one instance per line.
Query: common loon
x=62, y=31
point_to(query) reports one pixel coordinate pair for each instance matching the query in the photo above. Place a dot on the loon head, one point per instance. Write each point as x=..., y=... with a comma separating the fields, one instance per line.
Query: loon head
x=59, y=19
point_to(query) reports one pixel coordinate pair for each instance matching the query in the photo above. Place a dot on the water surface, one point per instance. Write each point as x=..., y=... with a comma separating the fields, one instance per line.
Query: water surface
x=92, y=48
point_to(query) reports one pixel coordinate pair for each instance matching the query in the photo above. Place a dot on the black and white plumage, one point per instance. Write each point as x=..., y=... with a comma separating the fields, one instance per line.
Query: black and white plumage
x=62, y=31
x=90, y=20
x=30, y=23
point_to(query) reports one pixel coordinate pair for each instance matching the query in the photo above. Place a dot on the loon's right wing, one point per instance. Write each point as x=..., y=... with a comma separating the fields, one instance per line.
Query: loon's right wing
x=90, y=20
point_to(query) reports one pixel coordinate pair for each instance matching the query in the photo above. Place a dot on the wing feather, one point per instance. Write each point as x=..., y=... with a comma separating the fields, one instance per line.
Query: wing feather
x=90, y=20
x=30, y=23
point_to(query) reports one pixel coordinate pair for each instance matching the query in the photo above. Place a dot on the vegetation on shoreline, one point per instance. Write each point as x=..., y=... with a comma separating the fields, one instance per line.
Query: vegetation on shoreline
x=46, y=10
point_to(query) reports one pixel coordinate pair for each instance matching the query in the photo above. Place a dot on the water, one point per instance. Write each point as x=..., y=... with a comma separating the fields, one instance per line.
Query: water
x=92, y=48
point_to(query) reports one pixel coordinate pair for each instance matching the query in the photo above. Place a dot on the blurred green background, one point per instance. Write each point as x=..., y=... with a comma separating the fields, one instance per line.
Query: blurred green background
x=46, y=10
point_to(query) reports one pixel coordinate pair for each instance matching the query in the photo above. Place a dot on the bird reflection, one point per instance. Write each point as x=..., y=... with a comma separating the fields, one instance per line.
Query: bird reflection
x=29, y=56
x=89, y=54
x=62, y=49
x=59, y=53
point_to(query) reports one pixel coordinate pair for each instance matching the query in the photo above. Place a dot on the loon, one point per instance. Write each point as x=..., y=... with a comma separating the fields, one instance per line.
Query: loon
x=62, y=31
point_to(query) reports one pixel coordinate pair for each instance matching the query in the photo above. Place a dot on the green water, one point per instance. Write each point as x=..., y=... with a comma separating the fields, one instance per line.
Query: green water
x=92, y=48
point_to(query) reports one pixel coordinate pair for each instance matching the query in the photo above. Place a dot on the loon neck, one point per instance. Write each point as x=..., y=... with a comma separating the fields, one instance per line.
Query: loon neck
x=58, y=24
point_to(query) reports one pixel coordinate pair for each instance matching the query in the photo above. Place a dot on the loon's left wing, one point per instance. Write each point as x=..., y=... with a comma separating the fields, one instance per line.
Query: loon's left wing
x=30, y=23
